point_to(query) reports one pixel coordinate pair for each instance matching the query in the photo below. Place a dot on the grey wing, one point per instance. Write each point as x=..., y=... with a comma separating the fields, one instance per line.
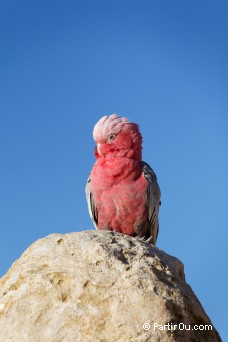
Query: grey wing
x=153, y=194
x=91, y=204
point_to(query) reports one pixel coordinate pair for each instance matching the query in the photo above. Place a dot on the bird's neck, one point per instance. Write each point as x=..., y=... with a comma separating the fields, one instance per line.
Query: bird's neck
x=131, y=153
x=117, y=168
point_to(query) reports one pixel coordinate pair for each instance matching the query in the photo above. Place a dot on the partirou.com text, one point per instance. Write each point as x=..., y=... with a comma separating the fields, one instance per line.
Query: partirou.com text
x=180, y=326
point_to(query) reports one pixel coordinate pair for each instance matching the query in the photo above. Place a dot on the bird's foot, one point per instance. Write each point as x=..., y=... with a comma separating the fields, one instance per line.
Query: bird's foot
x=143, y=239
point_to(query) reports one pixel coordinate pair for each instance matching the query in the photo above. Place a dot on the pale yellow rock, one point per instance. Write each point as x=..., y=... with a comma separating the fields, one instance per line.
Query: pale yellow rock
x=98, y=286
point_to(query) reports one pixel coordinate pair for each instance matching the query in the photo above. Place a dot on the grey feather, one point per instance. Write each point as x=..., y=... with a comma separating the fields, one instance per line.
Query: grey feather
x=153, y=194
x=91, y=205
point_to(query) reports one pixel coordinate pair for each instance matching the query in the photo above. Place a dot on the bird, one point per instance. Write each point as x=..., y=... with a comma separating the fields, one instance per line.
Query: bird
x=122, y=191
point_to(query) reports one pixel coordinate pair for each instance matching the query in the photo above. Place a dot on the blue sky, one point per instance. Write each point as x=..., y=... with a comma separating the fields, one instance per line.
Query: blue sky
x=163, y=64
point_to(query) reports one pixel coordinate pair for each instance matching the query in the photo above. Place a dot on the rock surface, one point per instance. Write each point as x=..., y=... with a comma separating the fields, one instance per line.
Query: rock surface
x=98, y=286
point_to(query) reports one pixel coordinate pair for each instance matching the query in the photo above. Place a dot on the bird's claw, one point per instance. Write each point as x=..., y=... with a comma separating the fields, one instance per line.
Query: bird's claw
x=143, y=239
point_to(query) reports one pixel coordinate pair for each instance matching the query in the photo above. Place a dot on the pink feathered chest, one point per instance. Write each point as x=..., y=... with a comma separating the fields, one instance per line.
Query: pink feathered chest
x=119, y=190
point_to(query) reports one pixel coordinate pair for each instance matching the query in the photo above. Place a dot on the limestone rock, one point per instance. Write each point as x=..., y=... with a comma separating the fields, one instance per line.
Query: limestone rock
x=99, y=286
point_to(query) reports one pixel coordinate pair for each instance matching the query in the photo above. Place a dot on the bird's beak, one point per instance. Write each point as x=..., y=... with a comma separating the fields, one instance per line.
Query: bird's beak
x=99, y=149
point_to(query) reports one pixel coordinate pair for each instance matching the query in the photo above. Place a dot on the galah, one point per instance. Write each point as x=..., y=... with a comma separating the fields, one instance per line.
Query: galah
x=122, y=191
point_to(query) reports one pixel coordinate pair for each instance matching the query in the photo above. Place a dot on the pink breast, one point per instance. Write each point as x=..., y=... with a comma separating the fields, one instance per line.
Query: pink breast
x=120, y=195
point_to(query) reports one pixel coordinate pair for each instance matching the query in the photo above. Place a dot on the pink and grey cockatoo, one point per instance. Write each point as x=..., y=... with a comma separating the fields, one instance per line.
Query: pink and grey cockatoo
x=122, y=191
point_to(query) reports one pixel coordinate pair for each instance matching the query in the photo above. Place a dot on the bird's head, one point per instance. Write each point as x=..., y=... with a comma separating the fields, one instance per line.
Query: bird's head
x=117, y=137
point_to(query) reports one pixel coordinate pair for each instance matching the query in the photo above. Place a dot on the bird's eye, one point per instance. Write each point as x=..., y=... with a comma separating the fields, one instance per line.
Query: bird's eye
x=111, y=137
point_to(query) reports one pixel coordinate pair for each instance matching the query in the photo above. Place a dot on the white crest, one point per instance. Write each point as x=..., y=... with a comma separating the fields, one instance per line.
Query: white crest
x=108, y=124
